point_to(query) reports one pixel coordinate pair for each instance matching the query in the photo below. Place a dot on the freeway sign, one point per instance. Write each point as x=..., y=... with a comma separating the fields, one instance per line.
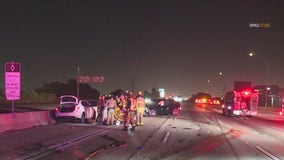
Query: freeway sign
x=13, y=81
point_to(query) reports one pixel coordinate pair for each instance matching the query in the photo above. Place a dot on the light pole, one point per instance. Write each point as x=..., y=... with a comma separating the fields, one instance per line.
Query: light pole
x=251, y=54
x=78, y=83
x=209, y=86
x=222, y=76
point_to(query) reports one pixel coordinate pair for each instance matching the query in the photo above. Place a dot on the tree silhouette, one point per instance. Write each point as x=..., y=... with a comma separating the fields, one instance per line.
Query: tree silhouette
x=70, y=88
x=155, y=93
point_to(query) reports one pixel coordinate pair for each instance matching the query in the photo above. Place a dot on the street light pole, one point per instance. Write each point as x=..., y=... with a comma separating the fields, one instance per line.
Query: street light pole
x=78, y=83
x=224, y=87
x=266, y=75
x=266, y=86
x=209, y=86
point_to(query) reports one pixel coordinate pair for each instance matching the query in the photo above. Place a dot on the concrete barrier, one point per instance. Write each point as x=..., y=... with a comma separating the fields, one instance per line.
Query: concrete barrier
x=15, y=121
x=269, y=110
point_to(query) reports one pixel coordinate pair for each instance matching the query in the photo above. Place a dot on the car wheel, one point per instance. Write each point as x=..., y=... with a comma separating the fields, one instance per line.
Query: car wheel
x=153, y=113
x=224, y=112
x=56, y=120
x=83, y=118
x=146, y=114
x=95, y=116
x=249, y=116
x=230, y=113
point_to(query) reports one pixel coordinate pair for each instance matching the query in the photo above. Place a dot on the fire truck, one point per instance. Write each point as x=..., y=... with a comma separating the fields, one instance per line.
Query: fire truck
x=242, y=101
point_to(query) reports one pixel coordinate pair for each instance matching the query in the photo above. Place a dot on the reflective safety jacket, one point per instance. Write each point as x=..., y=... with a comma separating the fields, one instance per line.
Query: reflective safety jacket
x=140, y=104
x=131, y=104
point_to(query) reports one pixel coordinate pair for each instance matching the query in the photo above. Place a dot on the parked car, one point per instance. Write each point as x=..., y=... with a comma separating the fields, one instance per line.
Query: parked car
x=70, y=107
x=163, y=107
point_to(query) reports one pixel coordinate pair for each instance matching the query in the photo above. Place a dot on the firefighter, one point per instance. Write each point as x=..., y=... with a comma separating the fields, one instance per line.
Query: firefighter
x=117, y=110
x=102, y=109
x=140, y=105
x=110, y=104
x=123, y=102
x=130, y=112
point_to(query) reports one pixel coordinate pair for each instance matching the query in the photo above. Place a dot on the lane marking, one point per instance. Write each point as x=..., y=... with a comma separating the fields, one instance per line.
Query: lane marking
x=270, y=155
x=166, y=137
x=63, y=145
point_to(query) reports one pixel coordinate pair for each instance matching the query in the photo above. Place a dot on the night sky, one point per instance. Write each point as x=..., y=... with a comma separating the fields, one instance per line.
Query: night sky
x=177, y=45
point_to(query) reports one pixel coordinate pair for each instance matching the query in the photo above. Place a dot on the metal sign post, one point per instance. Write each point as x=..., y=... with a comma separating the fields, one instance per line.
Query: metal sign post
x=13, y=82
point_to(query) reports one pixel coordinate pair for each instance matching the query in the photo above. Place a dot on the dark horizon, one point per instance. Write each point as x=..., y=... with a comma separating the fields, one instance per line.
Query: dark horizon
x=181, y=46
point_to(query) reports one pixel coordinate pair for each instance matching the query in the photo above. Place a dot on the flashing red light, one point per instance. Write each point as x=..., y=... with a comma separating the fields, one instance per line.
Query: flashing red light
x=246, y=93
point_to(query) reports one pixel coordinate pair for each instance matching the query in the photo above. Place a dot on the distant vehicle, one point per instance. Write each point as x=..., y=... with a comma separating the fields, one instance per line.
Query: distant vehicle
x=163, y=107
x=240, y=103
x=207, y=101
x=70, y=107
x=215, y=101
x=201, y=99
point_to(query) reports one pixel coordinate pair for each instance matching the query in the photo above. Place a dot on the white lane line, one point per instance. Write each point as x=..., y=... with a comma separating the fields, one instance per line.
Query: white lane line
x=270, y=155
x=166, y=137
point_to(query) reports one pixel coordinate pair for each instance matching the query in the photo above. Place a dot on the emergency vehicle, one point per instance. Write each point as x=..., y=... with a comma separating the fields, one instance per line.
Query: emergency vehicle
x=243, y=102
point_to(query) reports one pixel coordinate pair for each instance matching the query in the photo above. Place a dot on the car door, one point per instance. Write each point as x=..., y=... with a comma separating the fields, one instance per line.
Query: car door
x=89, y=111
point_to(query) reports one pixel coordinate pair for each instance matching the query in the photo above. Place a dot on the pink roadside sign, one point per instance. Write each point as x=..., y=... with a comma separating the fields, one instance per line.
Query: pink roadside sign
x=13, y=81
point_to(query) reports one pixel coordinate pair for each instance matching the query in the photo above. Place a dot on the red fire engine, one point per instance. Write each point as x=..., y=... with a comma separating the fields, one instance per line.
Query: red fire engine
x=241, y=101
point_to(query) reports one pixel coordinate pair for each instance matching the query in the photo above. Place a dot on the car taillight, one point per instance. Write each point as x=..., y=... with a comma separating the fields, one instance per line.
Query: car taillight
x=280, y=113
x=216, y=102
x=56, y=108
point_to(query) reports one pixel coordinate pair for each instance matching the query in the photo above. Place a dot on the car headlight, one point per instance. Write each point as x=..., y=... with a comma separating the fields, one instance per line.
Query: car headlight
x=148, y=101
